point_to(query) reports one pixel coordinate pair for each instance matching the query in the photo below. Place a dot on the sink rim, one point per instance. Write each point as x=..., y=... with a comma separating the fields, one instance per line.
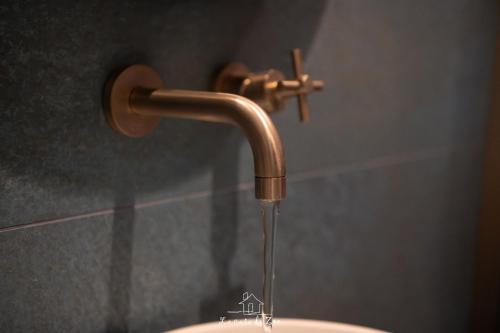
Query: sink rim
x=295, y=322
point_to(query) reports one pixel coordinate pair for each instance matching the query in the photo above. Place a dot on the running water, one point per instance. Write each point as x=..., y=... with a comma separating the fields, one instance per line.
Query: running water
x=269, y=216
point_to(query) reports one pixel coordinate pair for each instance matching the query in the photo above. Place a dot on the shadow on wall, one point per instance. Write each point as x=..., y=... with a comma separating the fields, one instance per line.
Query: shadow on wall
x=265, y=44
x=121, y=261
x=222, y=158
x=54, y=128
x=223, y=235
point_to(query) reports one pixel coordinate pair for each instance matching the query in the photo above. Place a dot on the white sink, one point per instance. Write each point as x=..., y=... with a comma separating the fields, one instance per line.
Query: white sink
x=280, y=326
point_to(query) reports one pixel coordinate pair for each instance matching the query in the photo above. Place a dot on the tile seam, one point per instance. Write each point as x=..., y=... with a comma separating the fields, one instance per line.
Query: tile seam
x=296, y=177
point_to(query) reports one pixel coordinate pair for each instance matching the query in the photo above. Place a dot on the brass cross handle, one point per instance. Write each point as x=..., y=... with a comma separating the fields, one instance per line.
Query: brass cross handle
x=301, y=86
x=270, y=89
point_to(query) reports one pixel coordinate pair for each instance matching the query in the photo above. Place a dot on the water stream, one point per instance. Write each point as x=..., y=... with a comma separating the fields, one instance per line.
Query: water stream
x=269, y=217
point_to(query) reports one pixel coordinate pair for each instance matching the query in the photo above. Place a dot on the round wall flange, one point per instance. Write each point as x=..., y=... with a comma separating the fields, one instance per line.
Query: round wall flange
x=230, y=78
x=117, y=95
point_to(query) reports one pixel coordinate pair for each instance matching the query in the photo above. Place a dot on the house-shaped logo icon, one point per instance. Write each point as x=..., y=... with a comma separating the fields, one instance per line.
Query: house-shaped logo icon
x=250, y=305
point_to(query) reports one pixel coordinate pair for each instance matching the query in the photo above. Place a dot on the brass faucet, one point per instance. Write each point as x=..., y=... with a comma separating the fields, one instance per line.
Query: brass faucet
x=136, y=100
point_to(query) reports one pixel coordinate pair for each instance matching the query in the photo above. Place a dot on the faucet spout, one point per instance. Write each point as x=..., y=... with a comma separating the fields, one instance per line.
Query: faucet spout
x=136, y=101
x=269, y=161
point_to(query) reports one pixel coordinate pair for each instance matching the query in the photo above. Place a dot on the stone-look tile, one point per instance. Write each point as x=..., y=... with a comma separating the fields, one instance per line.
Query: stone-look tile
x=59, y=157
x=56, y=278
x=172, y=267
x=143, y=270
x=397, y=80
x=182, y=254
x=384, y=247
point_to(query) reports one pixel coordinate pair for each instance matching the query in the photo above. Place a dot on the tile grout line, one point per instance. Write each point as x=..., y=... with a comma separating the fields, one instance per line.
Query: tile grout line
x=377, y=163
x=297, y=177
x=57, y=220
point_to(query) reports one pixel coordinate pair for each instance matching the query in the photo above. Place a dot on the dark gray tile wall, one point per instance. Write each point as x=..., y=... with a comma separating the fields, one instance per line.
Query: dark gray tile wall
x=101, y=233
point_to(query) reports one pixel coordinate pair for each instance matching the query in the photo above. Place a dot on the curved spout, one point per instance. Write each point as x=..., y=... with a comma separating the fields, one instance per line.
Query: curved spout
x=269, y=161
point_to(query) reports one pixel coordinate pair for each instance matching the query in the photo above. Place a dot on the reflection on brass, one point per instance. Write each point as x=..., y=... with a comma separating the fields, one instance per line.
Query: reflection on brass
x=270, y=89
x=136, y=100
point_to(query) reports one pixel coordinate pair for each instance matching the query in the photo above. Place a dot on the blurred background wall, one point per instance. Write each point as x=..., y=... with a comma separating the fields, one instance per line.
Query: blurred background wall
x=103, y=233
x=487, y=291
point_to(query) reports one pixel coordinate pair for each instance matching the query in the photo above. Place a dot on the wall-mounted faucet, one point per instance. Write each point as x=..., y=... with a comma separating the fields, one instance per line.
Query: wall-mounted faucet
x=136, y=100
